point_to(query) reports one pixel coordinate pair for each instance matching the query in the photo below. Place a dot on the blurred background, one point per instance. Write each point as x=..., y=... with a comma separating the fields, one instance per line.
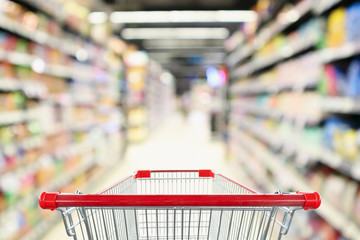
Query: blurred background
x=266, y=92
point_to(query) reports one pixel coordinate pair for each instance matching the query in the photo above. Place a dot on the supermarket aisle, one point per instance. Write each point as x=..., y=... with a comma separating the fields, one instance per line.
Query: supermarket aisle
x=177, y=144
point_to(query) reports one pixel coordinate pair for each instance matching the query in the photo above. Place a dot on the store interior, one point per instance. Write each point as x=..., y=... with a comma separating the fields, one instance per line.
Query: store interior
x=265, y=92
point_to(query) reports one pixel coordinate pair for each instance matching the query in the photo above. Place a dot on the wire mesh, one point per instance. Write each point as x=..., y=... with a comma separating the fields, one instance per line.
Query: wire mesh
x=170, y=222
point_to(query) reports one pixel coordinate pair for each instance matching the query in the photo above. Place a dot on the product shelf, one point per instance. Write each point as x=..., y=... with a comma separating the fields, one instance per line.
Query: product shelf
x=38, y=36
x=326, y=104
x=324, y=56
x=266, y=34
x=346, y=50
x=256, y=87
x=335, y=104
x=332, y=215
x=16, y=116
x=57, y=70
x=62, y=55
x=54, y=185
x=325, y=5
x=320, y=153
x=256, y=79
x=11, y=117
x=334, y=160
x=275, y=113
x=263, y=62
x=42, y=227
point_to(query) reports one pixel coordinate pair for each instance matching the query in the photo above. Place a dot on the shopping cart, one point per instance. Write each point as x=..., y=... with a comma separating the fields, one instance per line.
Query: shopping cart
x=189, y=204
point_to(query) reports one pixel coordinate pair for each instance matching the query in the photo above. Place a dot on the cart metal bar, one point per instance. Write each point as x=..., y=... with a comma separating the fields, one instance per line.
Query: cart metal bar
x=305, y=200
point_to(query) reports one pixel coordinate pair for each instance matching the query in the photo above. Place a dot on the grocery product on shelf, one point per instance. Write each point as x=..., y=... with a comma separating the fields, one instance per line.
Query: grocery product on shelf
x=336, y=27
x=341, y=80
x=353, y=19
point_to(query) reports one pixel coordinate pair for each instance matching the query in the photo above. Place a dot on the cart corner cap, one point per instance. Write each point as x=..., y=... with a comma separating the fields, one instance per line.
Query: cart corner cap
x=47, y=200
x=312, y=200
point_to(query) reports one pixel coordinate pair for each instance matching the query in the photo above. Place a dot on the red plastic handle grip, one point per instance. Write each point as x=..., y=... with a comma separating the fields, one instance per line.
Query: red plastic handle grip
x=147, y=173
x=47, y=200
x=305, y=200
x=312, y=200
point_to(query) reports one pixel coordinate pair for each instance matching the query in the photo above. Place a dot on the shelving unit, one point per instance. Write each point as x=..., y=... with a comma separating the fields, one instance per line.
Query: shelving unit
x=282, y=108
x=273, y=28
x=268, y=159
x=60, y=117
x=160, y=95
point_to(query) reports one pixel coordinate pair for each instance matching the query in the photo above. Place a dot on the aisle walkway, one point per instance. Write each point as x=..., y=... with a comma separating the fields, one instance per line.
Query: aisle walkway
x=177, y=144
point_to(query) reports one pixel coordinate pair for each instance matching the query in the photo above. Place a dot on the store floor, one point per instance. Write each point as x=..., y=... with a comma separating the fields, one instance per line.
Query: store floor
x=176, y=144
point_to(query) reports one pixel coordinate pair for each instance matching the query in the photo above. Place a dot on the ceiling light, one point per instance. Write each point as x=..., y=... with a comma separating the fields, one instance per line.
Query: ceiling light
x=175, y=33
x=164, y=43
x=97, y=17
x=183, y=16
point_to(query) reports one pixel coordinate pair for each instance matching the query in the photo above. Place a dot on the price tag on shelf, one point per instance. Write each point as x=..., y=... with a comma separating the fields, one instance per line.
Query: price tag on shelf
x=11, y=117
x=9, y=85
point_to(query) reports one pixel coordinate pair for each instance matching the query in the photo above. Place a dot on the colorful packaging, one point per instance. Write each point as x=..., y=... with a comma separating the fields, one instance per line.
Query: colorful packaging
x=330, y=80
x=353, y=22
x=341, y=82
x=336, y=28
x=353, y=77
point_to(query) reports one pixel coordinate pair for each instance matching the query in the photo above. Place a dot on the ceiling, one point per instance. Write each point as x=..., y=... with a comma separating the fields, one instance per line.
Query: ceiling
x=187, y=60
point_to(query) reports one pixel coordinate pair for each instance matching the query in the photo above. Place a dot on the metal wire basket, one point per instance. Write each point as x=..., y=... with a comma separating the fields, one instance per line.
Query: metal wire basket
x=189, y=204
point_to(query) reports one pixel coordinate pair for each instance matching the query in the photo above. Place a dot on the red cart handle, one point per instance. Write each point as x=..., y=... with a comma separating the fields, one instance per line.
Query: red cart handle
x=52, y=200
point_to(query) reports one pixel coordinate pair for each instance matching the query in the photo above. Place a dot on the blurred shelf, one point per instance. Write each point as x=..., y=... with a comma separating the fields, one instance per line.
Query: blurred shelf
x=56, y=129
x=332, y=215
x=256, y=87
x=318, y=153
x=57, y=70
x=326, y=104
x=80, y=149
x=82, y=127
x=27, y=144
x=37, y=36
x=17, y=116
x=12, y=117
x=268, y=32
x=274, y=113
x=31, y=88
x=259, y=63
x=41, y=228
x=53, y=186
x=334, y=160
x=324, y=5
x=340, y=105
x=332, y=54
x=25, y=59
x=325, y=56
x=247, y=159
x=10, y=85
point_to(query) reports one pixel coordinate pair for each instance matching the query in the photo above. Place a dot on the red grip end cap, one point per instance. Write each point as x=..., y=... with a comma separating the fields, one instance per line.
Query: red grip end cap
x=47, y=200
x=143, y=174
x=206, y=173
x=312, y=200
